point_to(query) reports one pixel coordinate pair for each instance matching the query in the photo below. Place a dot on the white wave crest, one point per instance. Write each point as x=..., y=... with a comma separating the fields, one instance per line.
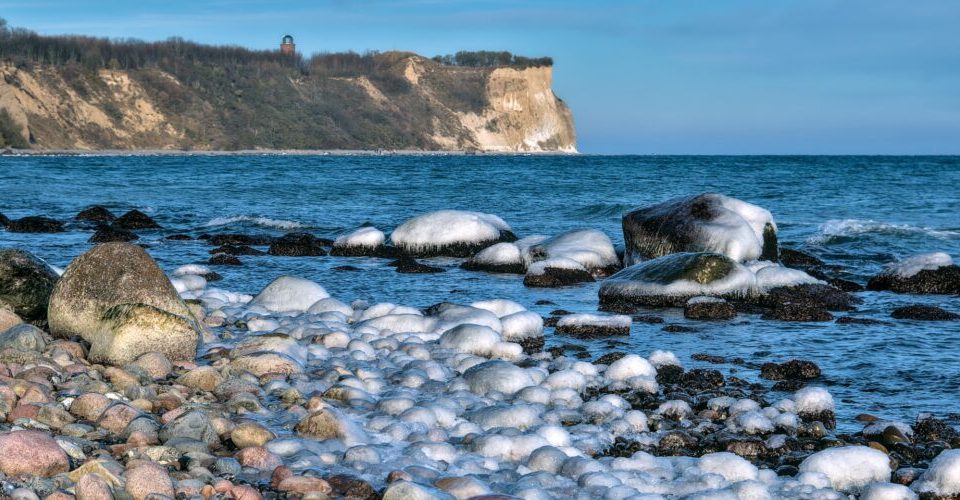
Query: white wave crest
x=851, y=228
x=257, y=221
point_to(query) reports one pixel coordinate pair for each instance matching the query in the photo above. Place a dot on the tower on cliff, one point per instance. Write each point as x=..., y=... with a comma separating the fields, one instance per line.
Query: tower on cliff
x=287, y=46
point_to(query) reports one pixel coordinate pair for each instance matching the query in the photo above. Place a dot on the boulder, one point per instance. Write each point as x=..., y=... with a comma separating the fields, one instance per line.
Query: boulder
x=933, y=273
x=297, y=245
x=593, y=326
x=709, y=222
x=452, y=233
x=106, y=276
x=556, y=272
x=589, y=248
x=31, y=453
x=8, y=318
x=366, y=241
x=708, y=308
x=503, y=258
x=95, y=213
x=135, y=219
x=408, y=265
x=127, y=331
x=795, y=369
x=673, y=279
x=25, y=284
x=23, y=337
x=289, y=294
x=35, y=224
x=923, y=312
x=222, y=259
x=811, y=296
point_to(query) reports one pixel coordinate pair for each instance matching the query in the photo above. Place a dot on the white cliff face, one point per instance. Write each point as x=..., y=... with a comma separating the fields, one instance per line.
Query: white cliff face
x=523, y=114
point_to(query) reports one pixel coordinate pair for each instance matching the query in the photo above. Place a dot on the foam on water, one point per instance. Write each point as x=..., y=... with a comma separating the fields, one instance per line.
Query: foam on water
x=256, y=221
x=924, y=262
x=835, y=229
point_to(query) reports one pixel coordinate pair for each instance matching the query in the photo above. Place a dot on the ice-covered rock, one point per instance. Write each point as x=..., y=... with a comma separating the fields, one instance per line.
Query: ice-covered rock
x=709, y=222
x=453, y=233
x=887, y=491
x=592, y=325
x=501, y=376
x=470, y=339
x=630, y=366
x=673, y=279
x=932, y=273
x=590, y=248
x=499, y=258
x=733, y=468
x=555, y=272
x=363, y=242
x=849, y=468
x=942, y=478
x=289, y=294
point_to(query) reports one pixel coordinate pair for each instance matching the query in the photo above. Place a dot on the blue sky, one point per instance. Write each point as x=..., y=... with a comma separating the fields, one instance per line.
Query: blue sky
x=642, y=76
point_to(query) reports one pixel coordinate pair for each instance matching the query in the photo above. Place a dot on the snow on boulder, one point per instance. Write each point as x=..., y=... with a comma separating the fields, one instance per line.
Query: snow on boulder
x=500, y=307
x=363, y=242
x=673, y=279
x=470, y=339
x=289, y=294
x=931, y=273
x=555, y=272
x=499, y=258
x=453, y=233
x=630, y=366
x=709, y=222
x=522, y=325
x=887, y=491
x=497, y=375
x=592, y=325
x=450, y=315
x=773, y=276
x=849, y=468
x=732, y=467
x=942, y=478
x=590, y=248
x=330, y=304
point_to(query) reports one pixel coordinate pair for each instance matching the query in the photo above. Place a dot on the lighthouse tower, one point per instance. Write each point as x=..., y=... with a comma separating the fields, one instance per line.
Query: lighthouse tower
x=287, y=46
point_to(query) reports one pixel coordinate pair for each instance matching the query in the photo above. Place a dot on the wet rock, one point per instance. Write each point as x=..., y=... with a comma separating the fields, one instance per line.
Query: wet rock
x=795, y=369
x=24, y=337
x=259, y=458
x=95, y=213
x=35, y=224
x=852, y=320
x=105, y=234
x=129, y=330
x=25, y=284
x=921, y=312
x=366, y=241
x=670, y=374
x=797, y=259
x=222, y=259
x=943, y=280
x=673, y=328
x=590, y=249
x=609, y=357
x=553, y=277
x=238, y=239
x=290, y=293
x=192, y=425
x=147, y=480
x=33, y=453
x=407, y=490
x=653, y=282
x=591, y=326
x=708, y=308
x=352, y=488
x=810, y=296
x=707, y=222
x=701, y=379
x=327, y=423
x=261, y=364
x=236, y=250
x=135, y=219
x=409, y=265
x=929, y=429
x=297, y=245
x=103, y=277
x=504, y=258
x=250, y=434
x=205, y=378
x=798, y=312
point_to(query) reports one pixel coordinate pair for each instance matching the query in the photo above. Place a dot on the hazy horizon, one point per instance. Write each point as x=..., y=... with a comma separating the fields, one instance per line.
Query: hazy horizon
x=745, y=77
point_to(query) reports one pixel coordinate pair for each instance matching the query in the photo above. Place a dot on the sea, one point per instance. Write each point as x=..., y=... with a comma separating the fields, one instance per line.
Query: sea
x=858, y=213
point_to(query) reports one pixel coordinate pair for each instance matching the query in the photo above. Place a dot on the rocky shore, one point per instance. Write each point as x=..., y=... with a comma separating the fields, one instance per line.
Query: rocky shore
x=119, y=381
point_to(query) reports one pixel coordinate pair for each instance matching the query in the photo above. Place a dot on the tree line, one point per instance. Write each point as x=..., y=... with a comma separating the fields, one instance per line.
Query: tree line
x=487, y=58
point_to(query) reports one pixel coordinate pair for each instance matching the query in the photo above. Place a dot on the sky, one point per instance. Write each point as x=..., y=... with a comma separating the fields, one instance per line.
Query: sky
x=641, y=76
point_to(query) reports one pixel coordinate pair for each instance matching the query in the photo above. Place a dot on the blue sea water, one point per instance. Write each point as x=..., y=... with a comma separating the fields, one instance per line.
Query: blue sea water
x=859, y=213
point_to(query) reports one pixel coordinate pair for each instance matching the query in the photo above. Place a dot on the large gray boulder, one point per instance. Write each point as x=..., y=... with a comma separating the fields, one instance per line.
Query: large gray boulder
x=25, y=284
x=105, y=276
x=126, y=331
x=709, y=222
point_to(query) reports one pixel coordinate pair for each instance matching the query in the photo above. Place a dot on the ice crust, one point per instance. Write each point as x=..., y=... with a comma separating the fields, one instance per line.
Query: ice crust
x=447, y=227
x=909, y=267
x=367, y=237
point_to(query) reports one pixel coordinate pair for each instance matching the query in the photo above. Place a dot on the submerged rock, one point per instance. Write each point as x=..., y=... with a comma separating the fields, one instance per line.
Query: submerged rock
x=709, y=222
x=923, y=312
x=34, y=224
x=297, y=245
x=236, y=250
x=135, y=219
x=106, y=234
x=106, y=276
x=452, y=233
x=25, y=284
x=708, y=308
x=95, y=213
x=923, y=274
x=237, y=239
x=410, y=265
x=222, y=259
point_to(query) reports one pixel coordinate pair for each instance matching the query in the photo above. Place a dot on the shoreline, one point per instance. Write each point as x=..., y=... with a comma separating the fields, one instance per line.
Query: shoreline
x=274, y=152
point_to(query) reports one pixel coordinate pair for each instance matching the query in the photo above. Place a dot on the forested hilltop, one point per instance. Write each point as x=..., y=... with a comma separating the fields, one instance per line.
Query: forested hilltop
x=71, y=92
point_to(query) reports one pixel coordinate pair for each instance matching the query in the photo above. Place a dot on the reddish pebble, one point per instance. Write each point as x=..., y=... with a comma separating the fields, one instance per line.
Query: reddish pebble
x=33, y=453
x=149, y=479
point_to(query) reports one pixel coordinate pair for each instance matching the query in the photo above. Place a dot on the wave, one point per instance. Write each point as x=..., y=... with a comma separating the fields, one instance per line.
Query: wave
x=836, y=229
x=256, y=221
x=603, y=210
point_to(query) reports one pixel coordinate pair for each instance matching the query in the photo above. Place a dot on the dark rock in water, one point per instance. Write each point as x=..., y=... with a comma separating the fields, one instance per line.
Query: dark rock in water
x=681, y=225
x=674, y=328
x=96, y=213
x=297, y=245
x=4, y=220
x=532, y=345
x=648, y=319
x=929, y=428
x=789, y=385
x=222, y=259
x=551, y=322
x=827, y=417
x=515, y=268
x=924, y=313
x=409, y=265
x=25, y=284
x=106, y=234
x=810, y=295
x=797, y=259
x=237, y=250
x=795, y=369
x=839, y=283
x=136, y=219
x=943, y=280
x=609, y=357
x=709, y=310
x=592, y=331
x=179, y=237
x=352, y=487
x=701, y=379
x=35, y=224
x=553, y=277
x=798, y=312
x=347, y=268
x=709, y=358
x=669, y=374
x=545, y=302
x=238, y=239
x=212, y=276
x=381, y=251
x=851, y=320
